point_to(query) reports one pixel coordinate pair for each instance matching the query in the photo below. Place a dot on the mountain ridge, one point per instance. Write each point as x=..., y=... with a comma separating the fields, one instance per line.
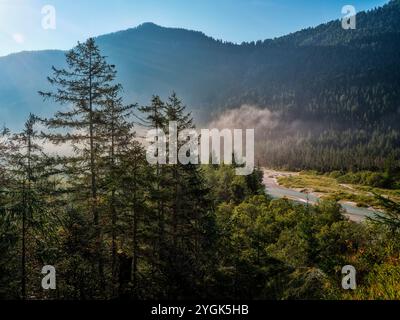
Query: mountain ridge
x=212, y=75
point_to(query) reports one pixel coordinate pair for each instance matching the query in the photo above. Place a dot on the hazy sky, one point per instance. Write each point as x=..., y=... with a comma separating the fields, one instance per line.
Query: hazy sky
x=231, y=20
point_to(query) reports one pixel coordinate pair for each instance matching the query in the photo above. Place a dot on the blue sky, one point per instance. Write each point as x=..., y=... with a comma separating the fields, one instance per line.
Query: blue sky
x=231, y=20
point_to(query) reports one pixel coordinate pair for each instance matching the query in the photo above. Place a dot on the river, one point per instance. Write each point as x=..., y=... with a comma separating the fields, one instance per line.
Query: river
x=276, y=191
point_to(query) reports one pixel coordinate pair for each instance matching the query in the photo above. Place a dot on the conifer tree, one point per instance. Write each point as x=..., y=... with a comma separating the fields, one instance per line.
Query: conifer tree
x=154, y=118
x=84, y=87
x=29, y=170
x=189, y=219
x=118, y=138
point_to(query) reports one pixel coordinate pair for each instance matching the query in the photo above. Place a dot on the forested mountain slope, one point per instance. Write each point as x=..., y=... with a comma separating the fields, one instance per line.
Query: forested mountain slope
x=326, y=78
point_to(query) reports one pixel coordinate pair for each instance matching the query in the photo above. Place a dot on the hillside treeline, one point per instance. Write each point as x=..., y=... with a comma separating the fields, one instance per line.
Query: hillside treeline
x=116, y=227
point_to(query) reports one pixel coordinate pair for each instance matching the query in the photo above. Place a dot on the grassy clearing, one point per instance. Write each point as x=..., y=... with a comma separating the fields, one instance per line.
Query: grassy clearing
x=329, y=188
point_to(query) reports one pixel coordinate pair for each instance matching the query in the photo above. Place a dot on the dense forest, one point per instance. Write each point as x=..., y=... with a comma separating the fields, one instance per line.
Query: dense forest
x=116, y=227
x=340, y=87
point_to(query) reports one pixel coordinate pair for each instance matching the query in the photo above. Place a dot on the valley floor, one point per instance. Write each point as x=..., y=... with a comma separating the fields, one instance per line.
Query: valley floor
x=358, y=201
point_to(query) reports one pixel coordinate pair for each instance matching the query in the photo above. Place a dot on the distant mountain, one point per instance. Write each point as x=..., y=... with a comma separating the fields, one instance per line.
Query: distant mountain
x=150, y=60
x=335, y=76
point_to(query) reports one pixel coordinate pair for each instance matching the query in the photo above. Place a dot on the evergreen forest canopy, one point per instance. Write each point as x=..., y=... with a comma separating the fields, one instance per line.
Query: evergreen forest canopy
x=336, y=91
x=114, y=226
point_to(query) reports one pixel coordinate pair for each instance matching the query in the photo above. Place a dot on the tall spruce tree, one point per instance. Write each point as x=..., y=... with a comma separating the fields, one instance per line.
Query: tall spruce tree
x=29, y=190
x=187, y=214
x=22, y=167
x=84, y=87
x=118, y=139
x=154, y=118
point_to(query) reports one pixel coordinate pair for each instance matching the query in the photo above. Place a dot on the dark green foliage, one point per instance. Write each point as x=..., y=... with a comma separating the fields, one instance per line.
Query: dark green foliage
x=116, y=227
x=336, y=90
x=391, y=217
